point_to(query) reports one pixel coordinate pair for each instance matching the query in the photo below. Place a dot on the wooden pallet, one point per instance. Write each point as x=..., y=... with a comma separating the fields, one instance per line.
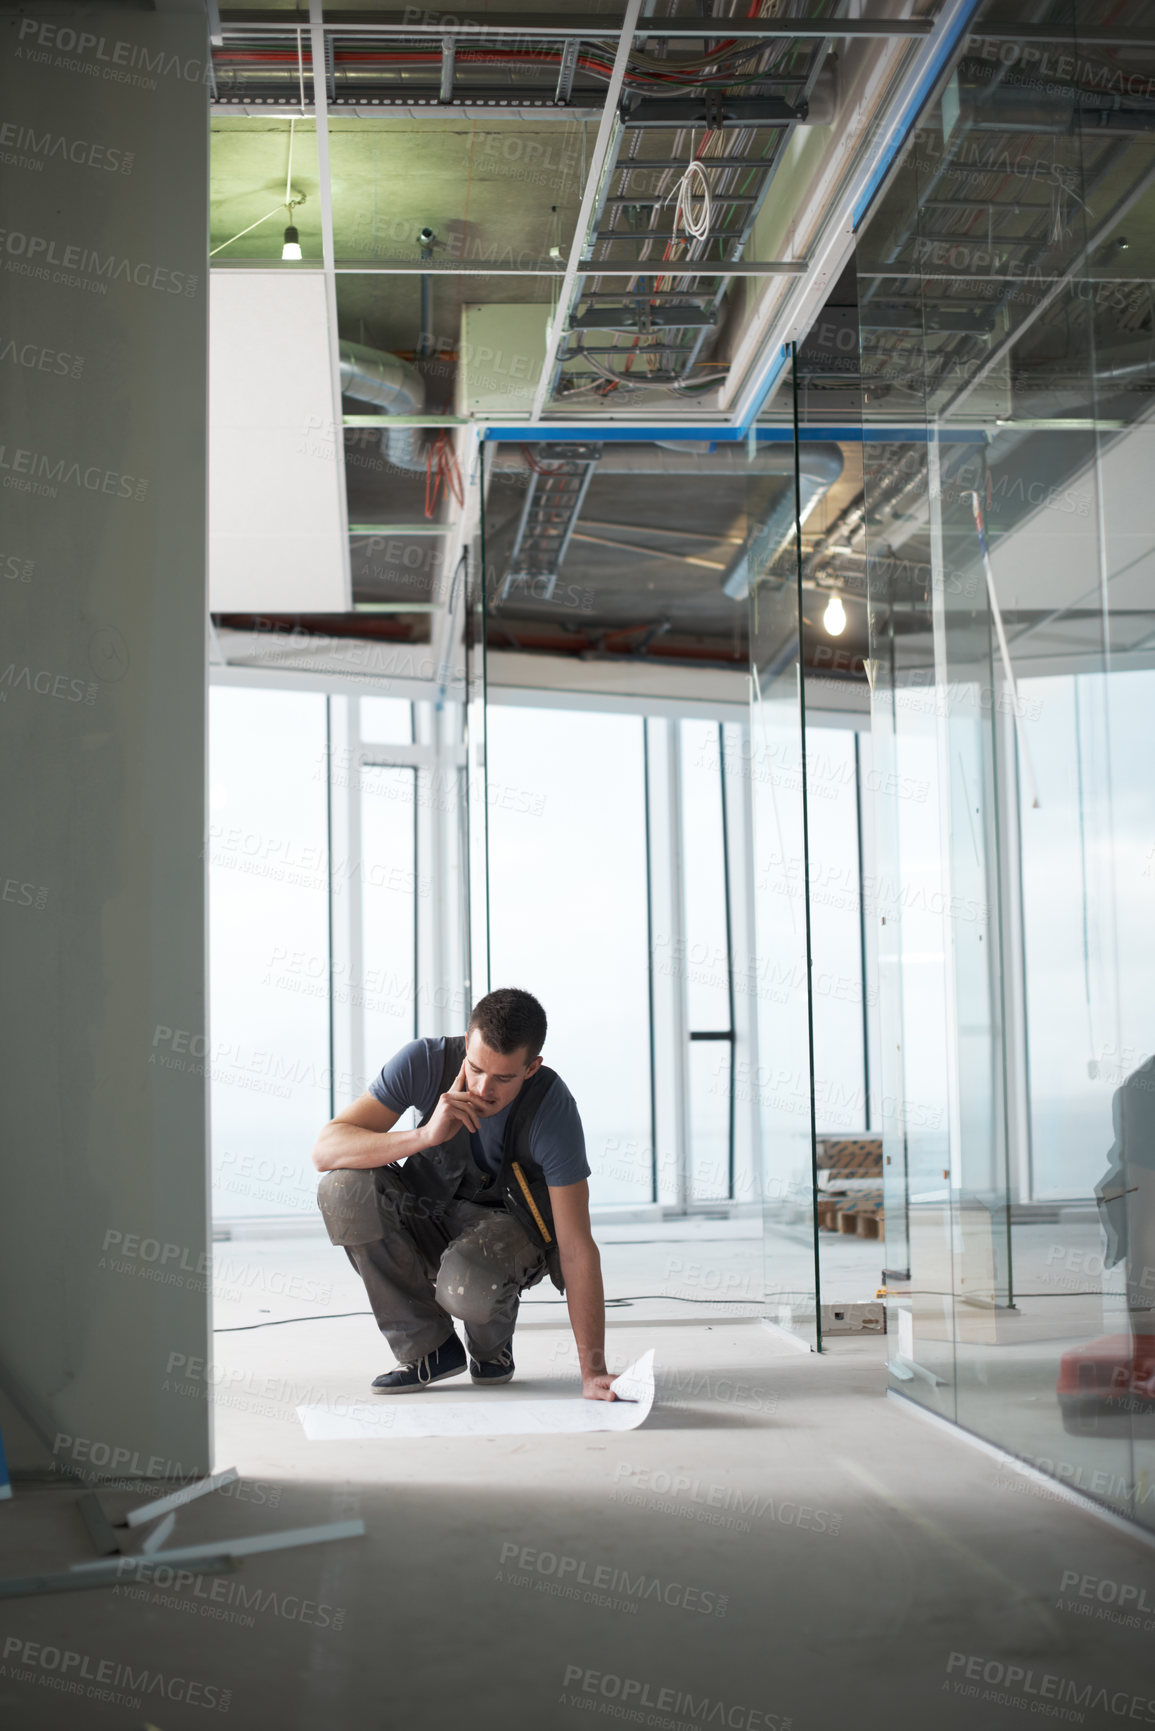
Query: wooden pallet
x=862, y=1224
x=859, y=1215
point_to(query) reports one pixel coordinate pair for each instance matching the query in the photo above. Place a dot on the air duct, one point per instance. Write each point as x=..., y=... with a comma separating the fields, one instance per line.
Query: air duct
x=386, y=382
x=819, y=466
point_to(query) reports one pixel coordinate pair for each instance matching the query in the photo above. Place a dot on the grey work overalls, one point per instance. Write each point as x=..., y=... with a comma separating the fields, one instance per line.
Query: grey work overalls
x=428, y=1258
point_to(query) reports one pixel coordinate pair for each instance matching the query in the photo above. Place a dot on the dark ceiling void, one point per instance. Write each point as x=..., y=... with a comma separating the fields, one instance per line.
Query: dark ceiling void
x=305, y=628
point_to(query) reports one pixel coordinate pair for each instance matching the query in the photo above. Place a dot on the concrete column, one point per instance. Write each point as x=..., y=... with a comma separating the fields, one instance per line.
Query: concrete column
x=104, y=1229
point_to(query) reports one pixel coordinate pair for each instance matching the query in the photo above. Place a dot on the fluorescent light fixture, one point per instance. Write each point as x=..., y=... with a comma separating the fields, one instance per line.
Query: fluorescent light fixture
x=292, y=246
x=834, y=618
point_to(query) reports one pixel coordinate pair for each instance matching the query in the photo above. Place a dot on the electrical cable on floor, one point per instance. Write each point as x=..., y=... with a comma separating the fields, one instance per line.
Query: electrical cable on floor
x=611, y=1304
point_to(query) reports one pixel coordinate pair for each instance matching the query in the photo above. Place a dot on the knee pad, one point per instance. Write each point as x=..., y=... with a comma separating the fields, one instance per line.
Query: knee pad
x=348, y=1204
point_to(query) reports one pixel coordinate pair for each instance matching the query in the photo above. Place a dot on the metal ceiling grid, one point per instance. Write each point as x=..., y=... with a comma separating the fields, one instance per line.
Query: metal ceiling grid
x=672, y=318
x=663, y=93
x=728, y=90
x=367, y=71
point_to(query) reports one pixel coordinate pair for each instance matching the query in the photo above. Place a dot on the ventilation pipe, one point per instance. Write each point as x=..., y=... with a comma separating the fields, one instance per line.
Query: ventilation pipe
x=819, y=466
x=386, y=382
x=425, y=241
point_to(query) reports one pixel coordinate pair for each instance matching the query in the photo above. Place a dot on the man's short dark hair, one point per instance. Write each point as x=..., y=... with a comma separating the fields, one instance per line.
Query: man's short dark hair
x=508, y=1020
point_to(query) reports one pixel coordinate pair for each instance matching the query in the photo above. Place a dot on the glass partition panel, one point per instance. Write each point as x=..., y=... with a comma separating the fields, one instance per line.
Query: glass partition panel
x=605, y=582
x=1120, y=599
x=1005, y=311
x=783, y=1072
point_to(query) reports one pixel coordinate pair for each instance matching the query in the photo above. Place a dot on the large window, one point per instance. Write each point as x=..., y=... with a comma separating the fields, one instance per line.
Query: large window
x=614, y=880
x=314, y=892
x=568, y=916
x=386, y=993
x=268, y=868
x=709, y=975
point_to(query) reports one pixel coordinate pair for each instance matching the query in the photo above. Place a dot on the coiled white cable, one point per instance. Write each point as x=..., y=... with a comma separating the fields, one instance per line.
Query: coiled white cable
x=693, y=185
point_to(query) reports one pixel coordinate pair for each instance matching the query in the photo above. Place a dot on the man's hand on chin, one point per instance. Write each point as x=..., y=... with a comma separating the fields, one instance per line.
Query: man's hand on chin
x=598, y=1388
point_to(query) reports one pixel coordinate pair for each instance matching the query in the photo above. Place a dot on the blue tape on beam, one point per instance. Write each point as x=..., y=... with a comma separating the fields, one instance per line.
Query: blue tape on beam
x=554, y=435
x=600, y=435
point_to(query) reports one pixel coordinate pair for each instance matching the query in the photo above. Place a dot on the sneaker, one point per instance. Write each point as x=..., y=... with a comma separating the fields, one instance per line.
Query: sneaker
x=447, y=1360
x=490, y=1370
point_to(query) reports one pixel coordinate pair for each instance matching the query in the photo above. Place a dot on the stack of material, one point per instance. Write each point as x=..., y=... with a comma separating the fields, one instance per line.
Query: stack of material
x=850, y=1185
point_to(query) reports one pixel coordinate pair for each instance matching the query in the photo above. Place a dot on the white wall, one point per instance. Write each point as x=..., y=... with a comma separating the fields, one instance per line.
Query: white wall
x=102, y=435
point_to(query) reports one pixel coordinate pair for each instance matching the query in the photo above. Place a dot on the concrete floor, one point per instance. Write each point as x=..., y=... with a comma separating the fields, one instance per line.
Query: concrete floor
x=780, y=1545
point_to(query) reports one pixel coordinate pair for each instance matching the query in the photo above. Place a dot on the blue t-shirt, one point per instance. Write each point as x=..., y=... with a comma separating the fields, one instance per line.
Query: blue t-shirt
x=412, y=1077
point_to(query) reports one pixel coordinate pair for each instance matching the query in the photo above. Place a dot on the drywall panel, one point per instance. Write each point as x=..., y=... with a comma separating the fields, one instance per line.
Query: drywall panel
x=278, y=536
x=502, y=353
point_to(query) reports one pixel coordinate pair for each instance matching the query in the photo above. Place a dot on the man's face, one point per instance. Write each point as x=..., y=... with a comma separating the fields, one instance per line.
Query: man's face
x=493, y=1079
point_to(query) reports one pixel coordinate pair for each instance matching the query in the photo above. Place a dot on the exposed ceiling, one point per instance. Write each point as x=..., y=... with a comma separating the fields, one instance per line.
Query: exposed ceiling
x=1005, y=268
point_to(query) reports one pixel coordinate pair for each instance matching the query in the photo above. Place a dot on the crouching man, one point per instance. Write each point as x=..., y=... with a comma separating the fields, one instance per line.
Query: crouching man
x=453, y=1220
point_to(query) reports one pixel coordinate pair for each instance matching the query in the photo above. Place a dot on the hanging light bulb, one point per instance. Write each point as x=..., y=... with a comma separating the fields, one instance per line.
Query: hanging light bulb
x=834, y=618
x=292, y=242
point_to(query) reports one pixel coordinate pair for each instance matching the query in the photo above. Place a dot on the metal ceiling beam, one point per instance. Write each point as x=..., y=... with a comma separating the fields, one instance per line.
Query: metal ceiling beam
x=630, y=318
x=604, y=148
x=639, y=268
x=355, y=105
x=569, y=60
x=650, y=200
x=591, y=26
x=1025, y=278
x=433, y=97
x=693, y=267
x=639, y=234
x=713, y=109
x=1075, y=35
x=663, y=164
